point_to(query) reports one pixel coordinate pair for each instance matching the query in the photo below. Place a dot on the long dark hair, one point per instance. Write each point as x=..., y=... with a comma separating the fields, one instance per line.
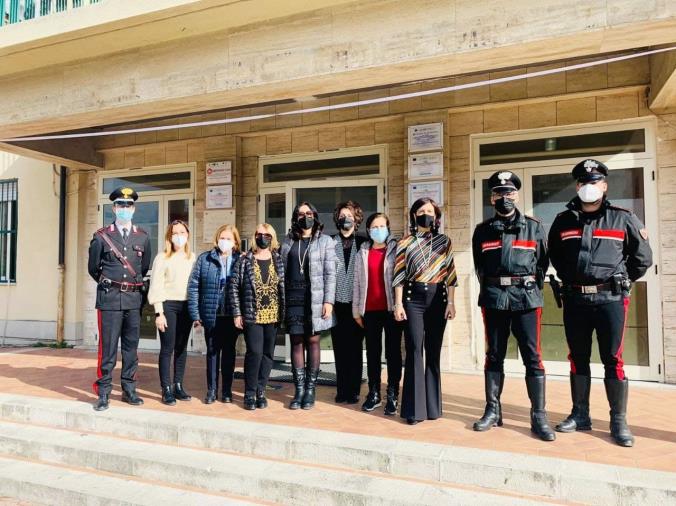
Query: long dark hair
x=295, y=231
x=413, y=226
x=371, y=219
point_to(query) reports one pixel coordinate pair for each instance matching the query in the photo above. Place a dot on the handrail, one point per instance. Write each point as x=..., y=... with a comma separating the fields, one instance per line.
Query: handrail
x=17, y=11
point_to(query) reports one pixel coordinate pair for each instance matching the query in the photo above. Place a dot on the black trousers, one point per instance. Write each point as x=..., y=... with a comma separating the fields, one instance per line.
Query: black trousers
x=174, y=341
x=260, y=349
x=525, y=325
x=347, y=338
x=425, y=305
x=374, y=323
x=124, y=326
x=609, y=321
x=221, y=341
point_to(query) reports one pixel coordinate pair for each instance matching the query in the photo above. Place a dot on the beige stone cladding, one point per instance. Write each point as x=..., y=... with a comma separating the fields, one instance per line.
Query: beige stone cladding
x=611, y=92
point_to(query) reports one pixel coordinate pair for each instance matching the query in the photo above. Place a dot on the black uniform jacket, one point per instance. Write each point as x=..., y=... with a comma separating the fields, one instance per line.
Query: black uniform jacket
x=505, y=248
x=104, y=264
x=591, y=248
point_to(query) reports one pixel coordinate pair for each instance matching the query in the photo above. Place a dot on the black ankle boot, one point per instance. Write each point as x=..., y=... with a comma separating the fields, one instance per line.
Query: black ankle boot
x=168, y=396
x=617, y=392
x=310, y=388
x=579, y=416
x=249, y=402
x=210, y=397
x=493, y=383
x=102, y=403
x=372, y=399
x=539, y=424
x=179, y=393
x=130, y=397
x=261, y=401
x=392, y=400
x=299, y=383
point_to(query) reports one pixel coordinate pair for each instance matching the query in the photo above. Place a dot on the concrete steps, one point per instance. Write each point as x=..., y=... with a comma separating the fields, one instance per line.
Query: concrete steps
x=298, y=466
x=38, y=483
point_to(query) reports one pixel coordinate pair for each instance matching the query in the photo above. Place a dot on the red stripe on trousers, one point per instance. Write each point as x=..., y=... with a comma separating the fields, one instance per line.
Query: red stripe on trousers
x=538, y=314
x=99, y=373
x=483, y=316
x=573, y=370
x=619, y=367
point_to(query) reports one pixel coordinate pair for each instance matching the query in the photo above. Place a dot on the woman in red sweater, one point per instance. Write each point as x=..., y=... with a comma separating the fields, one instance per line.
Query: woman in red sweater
x=372, y=307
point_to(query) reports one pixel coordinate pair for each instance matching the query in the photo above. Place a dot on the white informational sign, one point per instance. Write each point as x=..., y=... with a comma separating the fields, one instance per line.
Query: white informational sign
x=219, y=197
x=430, y=189
x=213, y=220
x=425, y=137
x=219, y=172
x=426, y=165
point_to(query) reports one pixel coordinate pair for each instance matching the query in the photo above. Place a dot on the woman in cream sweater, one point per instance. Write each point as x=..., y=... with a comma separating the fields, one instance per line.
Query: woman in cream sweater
x=169, y=293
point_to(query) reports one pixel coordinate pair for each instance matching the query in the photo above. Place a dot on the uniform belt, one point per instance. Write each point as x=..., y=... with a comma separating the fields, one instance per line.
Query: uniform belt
x=126, y=286
x=587, y=289
x=509, y=280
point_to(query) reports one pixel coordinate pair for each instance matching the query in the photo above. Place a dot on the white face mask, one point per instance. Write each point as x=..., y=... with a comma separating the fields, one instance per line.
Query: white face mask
x=589, y=193
x=179, y=240
x=225, y=245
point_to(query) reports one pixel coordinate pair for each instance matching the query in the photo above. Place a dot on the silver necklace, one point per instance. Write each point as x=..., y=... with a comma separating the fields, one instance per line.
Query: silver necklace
x=422, y=252
x=302, y=261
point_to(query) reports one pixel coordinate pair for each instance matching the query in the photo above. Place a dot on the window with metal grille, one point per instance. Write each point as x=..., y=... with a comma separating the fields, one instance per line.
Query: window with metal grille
x=8, y=229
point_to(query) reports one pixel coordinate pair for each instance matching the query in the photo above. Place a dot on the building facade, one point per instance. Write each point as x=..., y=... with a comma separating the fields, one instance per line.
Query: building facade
x=621, y=112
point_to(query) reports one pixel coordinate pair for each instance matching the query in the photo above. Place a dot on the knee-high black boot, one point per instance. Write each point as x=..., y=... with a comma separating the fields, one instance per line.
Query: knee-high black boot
x=493, y=383
x=310, y=387
x=579, y=416
x=538, y=416
x=299, y=383
x=618, y=393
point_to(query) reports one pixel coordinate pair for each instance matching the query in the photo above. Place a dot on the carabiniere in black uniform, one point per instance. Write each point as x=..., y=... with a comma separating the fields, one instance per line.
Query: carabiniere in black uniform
x=597, y=253
x=119, y=296
x=510, y=258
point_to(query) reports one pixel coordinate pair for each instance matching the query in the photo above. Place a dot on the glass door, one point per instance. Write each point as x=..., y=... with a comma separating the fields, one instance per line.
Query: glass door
x=272, y=209
x=153, y=214
x=545, y=192
x=368, y=193
x=276, y=205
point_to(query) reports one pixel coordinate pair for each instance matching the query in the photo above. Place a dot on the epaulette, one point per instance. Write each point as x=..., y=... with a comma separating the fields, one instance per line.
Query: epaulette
x=138, y=230
x=532, y=218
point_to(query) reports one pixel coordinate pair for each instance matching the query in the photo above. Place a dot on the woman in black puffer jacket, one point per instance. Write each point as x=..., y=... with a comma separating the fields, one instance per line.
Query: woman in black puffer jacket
x=257, y=297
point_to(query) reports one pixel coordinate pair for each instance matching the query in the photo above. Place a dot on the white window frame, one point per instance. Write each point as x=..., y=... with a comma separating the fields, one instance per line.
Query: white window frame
x=378, y=149
x=148, y=171
x=645, y=159
x=289, y=189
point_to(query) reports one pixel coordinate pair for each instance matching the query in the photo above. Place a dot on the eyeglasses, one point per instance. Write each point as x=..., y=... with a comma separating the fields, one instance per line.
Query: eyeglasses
x=308, y=214
x=123, y=204
x=264, y=236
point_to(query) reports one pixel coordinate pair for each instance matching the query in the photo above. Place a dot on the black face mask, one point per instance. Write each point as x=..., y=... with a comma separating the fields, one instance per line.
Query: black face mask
x=306, y=223
x=424, y=220
x=503, y=205
x=345, y=223
x=262, y=242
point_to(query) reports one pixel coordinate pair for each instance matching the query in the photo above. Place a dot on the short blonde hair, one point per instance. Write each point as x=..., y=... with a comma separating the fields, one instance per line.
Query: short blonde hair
x=274, y=244
x=235, y=234
x=168, y=245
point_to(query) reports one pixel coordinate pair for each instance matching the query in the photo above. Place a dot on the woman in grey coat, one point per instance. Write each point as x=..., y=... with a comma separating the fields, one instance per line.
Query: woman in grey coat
x=310, y=280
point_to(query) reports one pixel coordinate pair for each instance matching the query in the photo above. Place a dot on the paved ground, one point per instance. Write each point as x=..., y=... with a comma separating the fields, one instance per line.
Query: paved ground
x=68, y=374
